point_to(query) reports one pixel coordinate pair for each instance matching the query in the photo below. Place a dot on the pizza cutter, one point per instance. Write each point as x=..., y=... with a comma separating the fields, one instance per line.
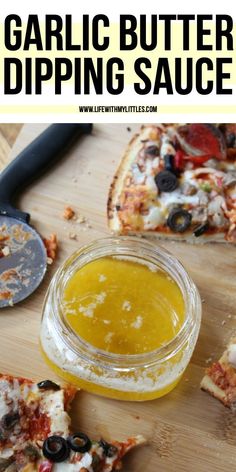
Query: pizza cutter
x=23, y=258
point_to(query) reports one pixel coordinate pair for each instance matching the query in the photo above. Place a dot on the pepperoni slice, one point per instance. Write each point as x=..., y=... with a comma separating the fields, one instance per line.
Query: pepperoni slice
x=202, y=139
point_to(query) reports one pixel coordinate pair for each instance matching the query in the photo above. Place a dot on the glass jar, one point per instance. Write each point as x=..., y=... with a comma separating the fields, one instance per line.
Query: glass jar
x=126, y=377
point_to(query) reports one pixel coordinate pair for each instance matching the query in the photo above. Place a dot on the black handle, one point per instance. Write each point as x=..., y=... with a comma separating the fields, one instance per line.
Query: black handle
x=34, y=159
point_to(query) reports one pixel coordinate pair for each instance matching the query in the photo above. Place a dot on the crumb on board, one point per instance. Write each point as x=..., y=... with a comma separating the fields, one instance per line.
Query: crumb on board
x=51, y=246
x=49, y=260
x=68, y=213
x=72, y=236
x=5, y=251
x=223, y=322
x=208, y=360
x=81, y=219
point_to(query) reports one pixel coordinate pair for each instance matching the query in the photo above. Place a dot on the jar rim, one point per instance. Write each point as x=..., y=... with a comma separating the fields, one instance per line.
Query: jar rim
x=149, y=252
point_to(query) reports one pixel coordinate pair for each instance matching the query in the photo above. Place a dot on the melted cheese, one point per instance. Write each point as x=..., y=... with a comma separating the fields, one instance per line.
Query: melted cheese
x=53, y=405
x=231, y=352
x=66, y=466
x=154, y=218
x=168, y=199
x=167, y=147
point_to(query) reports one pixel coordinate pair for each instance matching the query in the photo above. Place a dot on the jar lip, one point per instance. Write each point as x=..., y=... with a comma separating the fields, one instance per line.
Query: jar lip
x=119, y=246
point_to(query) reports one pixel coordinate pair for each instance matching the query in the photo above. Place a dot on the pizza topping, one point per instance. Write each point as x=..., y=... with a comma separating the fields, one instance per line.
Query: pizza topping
x=32, y=452
x=200, y=139
x=229, y=179
x=154, y=218
x=169, y=162
x=9, y=420
x=45, y=466
x=166, y=181
x=231, y=140
x=109, y=449
x=199, y=215
x=56, y=449
x=5, y=463
x=48, y=385
x=201, y=229
x=188, y=188
x=205, y=186
x=231, y=352
x=52, y=405
x=179, y=220
x=79, y=442
x=216, y=211
x=229, y=132
x=167, y=146
x=152, y=150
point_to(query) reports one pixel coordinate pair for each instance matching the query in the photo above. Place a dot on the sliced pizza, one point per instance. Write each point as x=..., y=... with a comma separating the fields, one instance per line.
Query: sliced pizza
x=29, y=413
x=220, y=377
x=80, y=454
x=35, y=432
x=177, y=182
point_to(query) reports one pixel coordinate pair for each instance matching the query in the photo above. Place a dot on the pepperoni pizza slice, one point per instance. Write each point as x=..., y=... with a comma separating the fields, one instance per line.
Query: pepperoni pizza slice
x=177, y=182
x=35, y=433
x=220, y=377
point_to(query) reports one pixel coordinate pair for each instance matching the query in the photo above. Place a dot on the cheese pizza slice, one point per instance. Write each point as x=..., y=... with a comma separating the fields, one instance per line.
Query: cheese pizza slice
x=177, y=182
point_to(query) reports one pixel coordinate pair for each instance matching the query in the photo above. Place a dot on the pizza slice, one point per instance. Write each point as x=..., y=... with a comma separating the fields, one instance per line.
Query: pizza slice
x=29, y=413
x=177, y=182
x=80, y=454
x=35, y=432
x=220, y=378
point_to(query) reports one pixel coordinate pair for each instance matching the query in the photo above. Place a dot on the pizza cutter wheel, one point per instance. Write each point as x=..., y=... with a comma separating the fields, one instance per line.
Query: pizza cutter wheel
x=23, y=258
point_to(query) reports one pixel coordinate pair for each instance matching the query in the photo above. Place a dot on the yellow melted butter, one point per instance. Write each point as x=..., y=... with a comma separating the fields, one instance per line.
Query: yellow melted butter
x=123, y=307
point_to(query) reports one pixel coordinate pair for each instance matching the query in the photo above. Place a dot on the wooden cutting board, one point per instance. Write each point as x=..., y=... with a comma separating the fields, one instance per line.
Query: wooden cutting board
x=187, y=430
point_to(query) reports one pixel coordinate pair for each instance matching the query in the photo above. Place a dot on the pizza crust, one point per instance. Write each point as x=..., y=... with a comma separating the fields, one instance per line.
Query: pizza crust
x=209, y=386
x=175, y=237
x=116, y=187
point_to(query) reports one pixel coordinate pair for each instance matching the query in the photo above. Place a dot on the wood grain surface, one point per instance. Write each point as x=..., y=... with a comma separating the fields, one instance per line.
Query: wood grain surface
x=187, y=430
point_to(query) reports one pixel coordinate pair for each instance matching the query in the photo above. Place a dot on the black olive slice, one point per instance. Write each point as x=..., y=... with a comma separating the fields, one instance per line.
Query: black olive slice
x=166, y=181
x=169, y=162
x=179, y=220
x=56, y=449
x=109, y=449
x=152, y=150
x=32, y=452
x=201, y=229
x=9, y=420
x=5, y=463
x=48, y=385
x=79, y=442
x=230, y=140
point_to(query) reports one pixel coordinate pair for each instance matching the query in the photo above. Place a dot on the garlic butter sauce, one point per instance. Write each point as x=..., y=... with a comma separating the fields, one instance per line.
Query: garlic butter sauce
x=121, y=319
